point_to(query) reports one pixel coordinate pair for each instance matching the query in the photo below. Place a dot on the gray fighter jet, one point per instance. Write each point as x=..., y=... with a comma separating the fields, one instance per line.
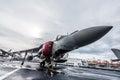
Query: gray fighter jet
x=53, y=51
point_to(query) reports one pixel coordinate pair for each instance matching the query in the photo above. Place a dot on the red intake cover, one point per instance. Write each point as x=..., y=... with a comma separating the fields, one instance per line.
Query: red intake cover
x=47, y=49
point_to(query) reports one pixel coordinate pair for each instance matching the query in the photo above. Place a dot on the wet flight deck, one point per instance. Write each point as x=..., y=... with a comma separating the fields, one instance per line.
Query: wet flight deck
x=12, y=71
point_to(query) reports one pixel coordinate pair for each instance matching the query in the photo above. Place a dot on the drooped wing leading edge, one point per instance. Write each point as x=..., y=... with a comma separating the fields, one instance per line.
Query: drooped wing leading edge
x=32, y=50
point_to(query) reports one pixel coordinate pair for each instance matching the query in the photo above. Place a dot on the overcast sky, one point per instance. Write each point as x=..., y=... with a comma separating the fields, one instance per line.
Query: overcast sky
x=28, y=23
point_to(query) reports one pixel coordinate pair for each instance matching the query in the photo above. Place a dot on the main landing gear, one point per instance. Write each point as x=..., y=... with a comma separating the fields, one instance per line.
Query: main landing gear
x=49, y=69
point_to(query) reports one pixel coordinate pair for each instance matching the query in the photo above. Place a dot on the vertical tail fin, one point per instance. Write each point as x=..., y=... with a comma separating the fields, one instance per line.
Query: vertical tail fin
x=116, y=52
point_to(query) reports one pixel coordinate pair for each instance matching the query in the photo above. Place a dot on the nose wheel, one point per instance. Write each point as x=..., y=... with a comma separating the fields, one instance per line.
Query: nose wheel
x=50, y=70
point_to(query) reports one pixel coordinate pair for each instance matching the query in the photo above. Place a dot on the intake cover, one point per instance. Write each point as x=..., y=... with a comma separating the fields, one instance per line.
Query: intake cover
x=47, y=49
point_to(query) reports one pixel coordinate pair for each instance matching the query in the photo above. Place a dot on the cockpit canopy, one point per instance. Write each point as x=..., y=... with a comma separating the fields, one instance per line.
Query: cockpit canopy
x=74, y=32
x=60, y=37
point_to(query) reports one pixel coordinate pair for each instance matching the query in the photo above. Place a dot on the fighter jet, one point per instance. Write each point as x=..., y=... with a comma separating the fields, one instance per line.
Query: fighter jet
x=14, y=55
x=54, y=51
x=4, y=53
x=117, y=54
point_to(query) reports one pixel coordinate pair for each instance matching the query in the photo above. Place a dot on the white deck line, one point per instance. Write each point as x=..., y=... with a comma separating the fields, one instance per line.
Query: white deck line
x=8, y=74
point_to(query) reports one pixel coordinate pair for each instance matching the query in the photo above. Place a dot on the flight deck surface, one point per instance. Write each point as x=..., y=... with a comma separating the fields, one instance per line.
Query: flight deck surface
x=14, y=72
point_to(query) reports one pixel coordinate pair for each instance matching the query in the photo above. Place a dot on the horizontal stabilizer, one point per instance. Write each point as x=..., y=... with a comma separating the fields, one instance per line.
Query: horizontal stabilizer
x=60, y=60
x=115, y=60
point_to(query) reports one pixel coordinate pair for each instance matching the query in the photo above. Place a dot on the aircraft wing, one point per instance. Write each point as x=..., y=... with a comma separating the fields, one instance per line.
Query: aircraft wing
x=32, y=50
x=4, y=52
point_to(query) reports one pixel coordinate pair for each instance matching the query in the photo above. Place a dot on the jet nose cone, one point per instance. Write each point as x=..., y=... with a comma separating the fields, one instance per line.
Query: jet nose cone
x=100, y=30
x=109, y=27
x=89, y=35
x=104, y=28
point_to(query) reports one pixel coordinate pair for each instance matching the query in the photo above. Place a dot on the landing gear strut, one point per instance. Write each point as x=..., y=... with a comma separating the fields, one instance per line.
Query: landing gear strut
x=42, y=64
